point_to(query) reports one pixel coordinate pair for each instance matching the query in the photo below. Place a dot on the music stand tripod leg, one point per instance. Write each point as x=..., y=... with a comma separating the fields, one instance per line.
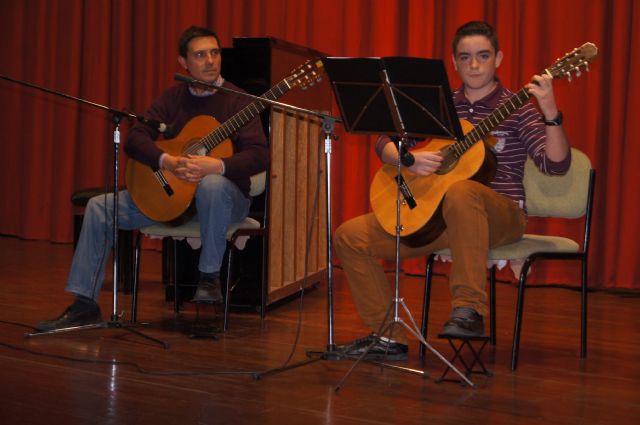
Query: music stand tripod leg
x=384, y=327
x=328, y=125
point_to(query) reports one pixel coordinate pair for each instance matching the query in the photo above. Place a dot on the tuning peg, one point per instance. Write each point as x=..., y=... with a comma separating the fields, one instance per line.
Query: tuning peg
x=568, y=73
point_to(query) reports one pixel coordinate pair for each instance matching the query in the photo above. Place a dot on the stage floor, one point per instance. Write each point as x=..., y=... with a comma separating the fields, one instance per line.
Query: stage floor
x=111, y=376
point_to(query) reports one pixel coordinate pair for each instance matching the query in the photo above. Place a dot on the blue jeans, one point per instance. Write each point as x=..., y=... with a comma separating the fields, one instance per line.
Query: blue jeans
x=219, y=203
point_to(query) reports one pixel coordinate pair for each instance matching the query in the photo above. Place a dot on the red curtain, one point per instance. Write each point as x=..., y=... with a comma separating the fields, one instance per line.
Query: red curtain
x=121, y=53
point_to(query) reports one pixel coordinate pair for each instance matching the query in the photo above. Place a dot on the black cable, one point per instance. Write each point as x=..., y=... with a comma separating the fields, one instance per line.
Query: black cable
x=115, y=362
x=184, y=373
x=303, y=285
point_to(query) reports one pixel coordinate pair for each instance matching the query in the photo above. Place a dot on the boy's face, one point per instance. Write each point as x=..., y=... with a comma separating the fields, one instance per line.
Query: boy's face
x=476, y=61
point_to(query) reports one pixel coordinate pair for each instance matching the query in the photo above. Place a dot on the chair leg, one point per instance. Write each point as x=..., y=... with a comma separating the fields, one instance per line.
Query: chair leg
x=519, y=308
x=583, y=311
x=264, y=293
x=174, y=276
x=136, y=277
x=426, y=301
x=227, y=291
x=492, y=306
x=126, y=260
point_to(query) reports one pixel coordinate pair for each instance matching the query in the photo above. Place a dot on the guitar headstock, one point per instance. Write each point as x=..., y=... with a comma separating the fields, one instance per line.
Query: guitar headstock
x=573, y=61
x=306, y=75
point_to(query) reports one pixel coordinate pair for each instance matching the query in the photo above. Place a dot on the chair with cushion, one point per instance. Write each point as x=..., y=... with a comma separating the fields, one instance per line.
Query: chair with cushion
x=568, y=196
x=237, y=234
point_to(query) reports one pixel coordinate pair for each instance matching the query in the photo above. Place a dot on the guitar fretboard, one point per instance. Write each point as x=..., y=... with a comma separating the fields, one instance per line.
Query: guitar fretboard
x=237, y=121
x=483, y=128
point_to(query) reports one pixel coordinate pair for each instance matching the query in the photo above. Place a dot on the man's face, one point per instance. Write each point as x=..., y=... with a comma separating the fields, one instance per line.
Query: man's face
x=203, y=59
x=476, y=61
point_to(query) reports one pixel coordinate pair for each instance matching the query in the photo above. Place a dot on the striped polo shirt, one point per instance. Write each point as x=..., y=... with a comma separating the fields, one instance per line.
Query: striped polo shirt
x=519, y=134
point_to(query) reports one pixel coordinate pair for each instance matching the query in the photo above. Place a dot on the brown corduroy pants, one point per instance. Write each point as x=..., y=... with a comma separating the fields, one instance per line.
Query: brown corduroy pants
x=477, y=218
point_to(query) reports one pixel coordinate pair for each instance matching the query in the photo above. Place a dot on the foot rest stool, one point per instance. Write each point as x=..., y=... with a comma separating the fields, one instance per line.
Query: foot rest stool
x=474, y=359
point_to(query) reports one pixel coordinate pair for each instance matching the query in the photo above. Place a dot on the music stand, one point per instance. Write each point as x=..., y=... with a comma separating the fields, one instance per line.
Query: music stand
x=402, y=97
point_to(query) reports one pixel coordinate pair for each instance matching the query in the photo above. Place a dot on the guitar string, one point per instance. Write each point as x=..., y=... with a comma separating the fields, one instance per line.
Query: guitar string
x=238, y=120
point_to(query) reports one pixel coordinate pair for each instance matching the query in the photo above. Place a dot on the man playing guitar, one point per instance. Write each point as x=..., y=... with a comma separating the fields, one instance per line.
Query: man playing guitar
x=477, y=217
x=221, y=195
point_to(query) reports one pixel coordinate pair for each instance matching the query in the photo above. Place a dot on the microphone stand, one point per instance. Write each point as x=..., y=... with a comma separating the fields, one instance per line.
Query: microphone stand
x=116, y=116
x=328, y=124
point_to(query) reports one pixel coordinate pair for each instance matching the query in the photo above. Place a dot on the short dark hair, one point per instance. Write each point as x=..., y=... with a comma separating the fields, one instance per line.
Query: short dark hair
x=191, y=33
x=476, y=28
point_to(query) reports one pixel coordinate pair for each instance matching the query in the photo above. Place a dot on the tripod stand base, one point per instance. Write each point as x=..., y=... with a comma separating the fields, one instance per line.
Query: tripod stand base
x=387, y=325
x=65, y=330
x=113, y=324
x=330, y=354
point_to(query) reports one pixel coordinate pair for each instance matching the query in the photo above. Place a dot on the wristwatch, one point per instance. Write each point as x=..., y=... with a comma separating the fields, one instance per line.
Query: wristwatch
x=556, y=121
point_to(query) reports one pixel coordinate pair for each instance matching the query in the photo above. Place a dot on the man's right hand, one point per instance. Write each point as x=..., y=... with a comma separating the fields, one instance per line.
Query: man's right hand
x=177, y=165
x=425, y=163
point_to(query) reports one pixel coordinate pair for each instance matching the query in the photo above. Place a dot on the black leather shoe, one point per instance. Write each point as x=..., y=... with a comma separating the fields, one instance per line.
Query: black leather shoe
x=381, y=349
x=71, y=318
x=208, y=292
x=464, y=322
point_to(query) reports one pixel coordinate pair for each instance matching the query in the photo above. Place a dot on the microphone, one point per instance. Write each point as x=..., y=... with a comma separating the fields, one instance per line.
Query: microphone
x=159, y=126
x=189, y=80
x=181, y=77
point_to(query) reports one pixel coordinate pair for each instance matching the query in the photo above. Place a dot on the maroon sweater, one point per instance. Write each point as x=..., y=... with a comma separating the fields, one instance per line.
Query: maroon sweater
x=176, y=106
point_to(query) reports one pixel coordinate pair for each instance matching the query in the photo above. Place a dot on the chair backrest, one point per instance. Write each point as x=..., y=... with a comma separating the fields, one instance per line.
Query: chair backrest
x=566, y=196
x=258, y=184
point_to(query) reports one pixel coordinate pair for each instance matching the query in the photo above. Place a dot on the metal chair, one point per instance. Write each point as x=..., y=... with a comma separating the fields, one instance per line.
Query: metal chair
x=567, y=196
x=237, y=234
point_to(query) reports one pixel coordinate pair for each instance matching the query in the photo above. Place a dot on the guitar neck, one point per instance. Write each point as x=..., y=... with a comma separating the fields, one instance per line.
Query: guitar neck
x=501, y=113
x=241, y=118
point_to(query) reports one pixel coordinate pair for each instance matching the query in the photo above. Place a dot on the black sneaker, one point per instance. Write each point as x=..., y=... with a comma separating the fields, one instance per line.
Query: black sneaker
x=72, y=317
x=208, y=292
x=464, y=322
x=381, y=349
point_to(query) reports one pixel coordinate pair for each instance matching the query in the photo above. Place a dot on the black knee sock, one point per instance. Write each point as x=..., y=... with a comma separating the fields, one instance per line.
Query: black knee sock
x=209, y=278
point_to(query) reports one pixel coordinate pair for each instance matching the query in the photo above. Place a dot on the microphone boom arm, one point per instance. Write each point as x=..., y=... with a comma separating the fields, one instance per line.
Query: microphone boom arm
x=285, y=106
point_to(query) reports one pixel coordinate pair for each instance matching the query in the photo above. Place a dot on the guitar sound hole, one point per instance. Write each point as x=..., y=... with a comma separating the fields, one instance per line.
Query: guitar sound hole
x=194, y=147
x=449, y=160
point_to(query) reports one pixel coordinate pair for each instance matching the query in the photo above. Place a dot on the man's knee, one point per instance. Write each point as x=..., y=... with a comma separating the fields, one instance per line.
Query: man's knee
x=461, y=194
x=214, y=189
x=347, y=236
x=96, y=205
x=340, y=236
x=213, y=183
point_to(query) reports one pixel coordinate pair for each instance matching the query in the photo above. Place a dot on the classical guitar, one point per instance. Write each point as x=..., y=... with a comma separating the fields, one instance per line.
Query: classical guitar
x=165, y=198
x=420, y=212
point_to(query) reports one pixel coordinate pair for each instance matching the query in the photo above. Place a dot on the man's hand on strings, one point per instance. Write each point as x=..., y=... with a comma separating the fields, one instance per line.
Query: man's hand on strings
x=425, y=162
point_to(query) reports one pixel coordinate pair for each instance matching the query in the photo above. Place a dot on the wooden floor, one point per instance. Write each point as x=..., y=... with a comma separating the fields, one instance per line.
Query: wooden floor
x=110, y=376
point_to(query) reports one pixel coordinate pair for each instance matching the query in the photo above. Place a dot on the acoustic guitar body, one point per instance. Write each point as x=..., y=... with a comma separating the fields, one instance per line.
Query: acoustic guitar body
x=424, y=223
x=143, y=184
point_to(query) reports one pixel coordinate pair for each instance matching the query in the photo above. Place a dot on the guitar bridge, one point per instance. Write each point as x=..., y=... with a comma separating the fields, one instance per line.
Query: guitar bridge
x=163, y=182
